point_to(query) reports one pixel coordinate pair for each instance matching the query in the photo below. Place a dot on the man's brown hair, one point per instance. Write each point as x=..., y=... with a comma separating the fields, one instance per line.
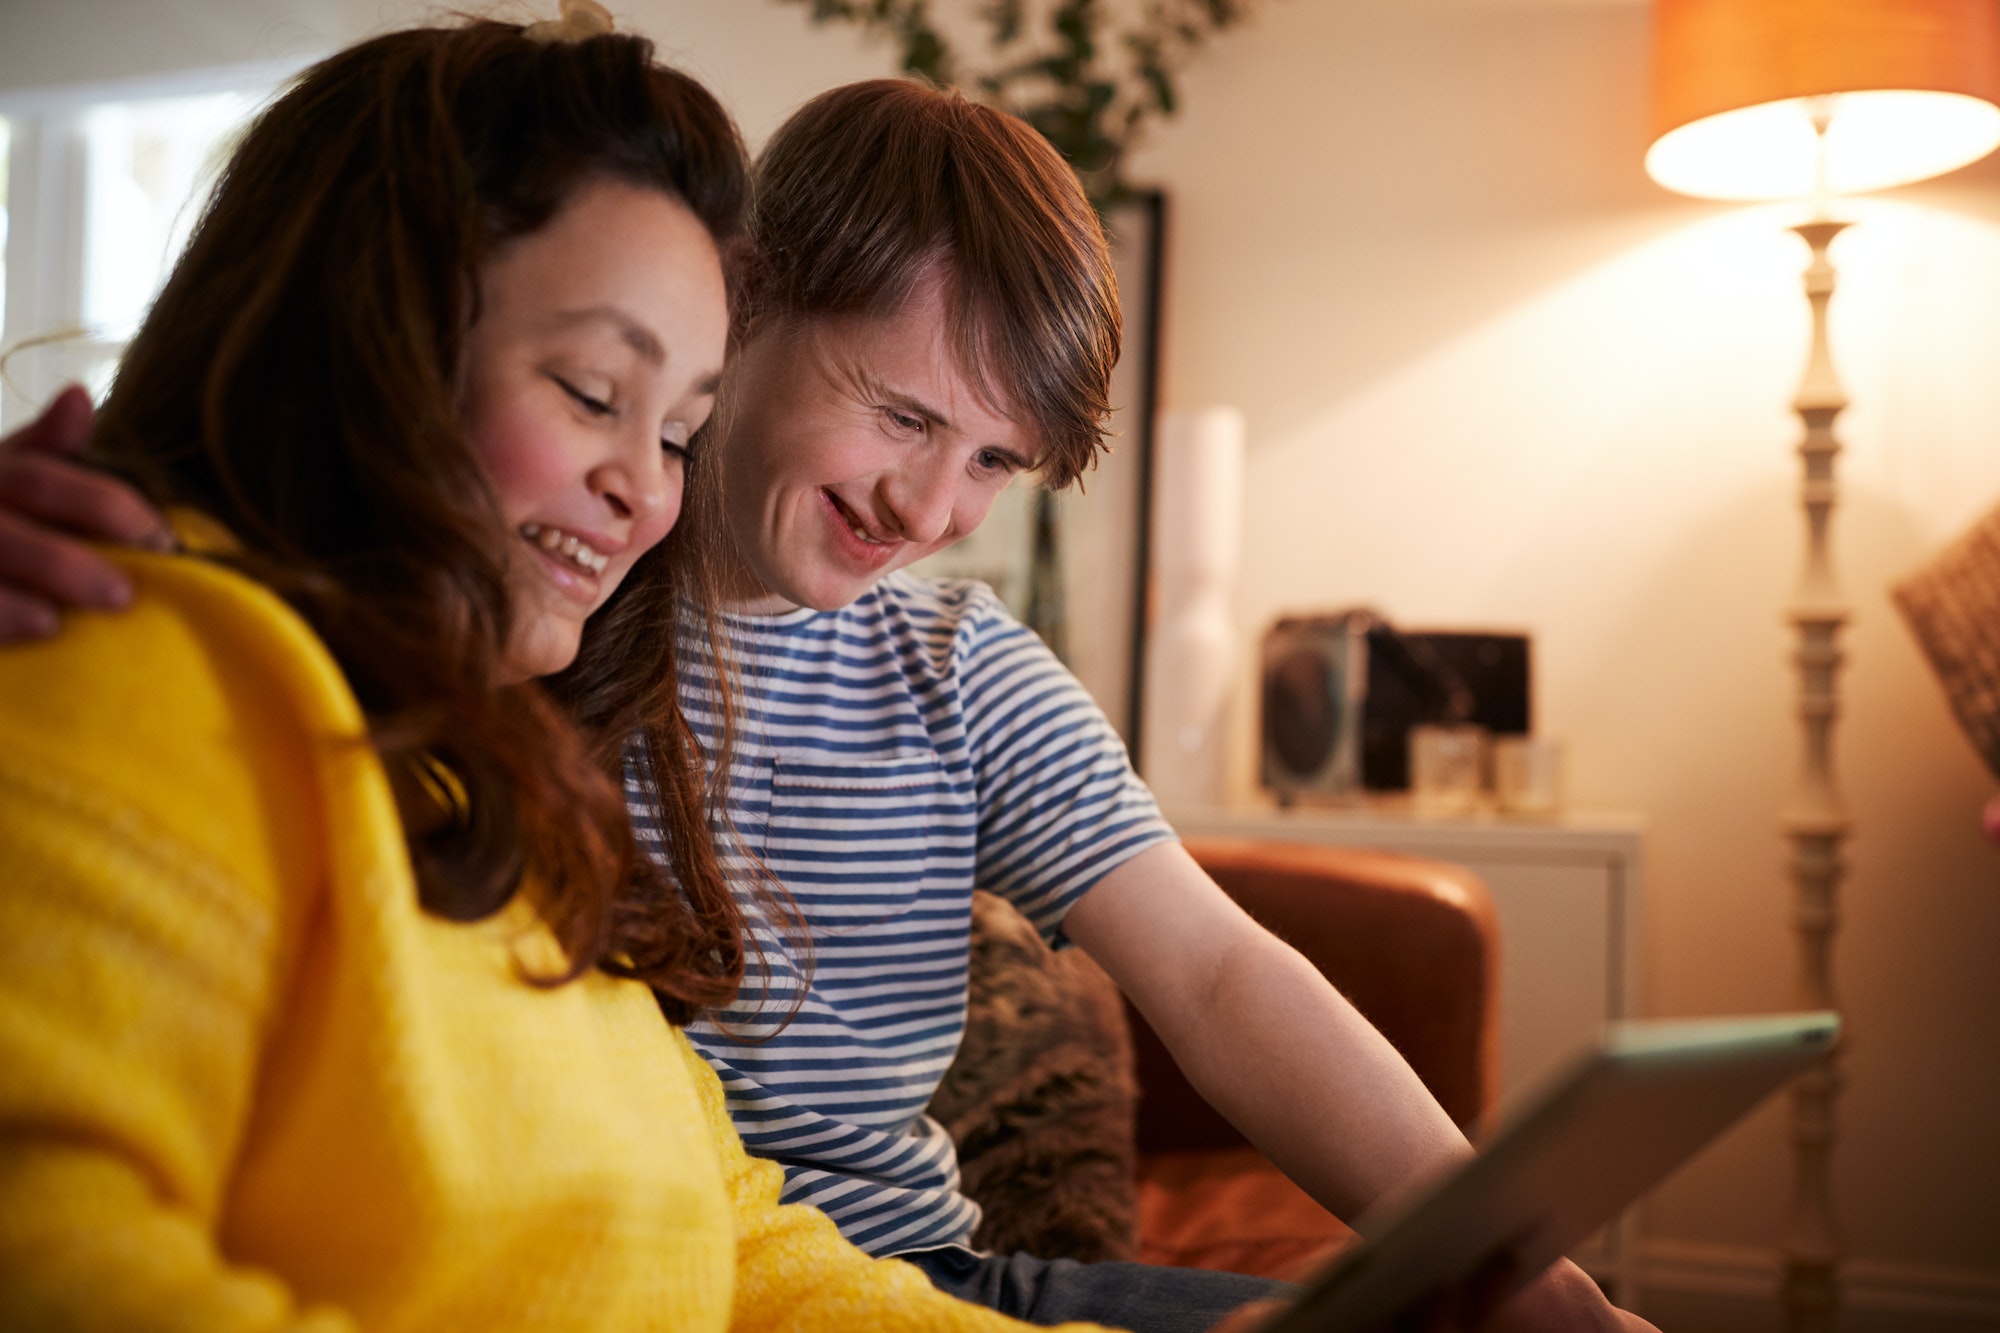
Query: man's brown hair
x=871, y=187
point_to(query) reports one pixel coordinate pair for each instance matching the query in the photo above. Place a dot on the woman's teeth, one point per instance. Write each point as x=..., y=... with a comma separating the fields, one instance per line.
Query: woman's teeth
x=559, y=543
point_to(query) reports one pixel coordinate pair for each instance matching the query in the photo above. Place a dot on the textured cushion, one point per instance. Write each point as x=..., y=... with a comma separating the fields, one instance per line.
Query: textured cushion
x=1040, y=1098
x=1953, y=606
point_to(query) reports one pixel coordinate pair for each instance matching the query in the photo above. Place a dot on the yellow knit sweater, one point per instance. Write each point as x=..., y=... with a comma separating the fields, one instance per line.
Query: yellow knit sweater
x=245, y=1083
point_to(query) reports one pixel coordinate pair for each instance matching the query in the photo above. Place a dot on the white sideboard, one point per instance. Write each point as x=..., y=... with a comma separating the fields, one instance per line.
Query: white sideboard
x=1567, y=894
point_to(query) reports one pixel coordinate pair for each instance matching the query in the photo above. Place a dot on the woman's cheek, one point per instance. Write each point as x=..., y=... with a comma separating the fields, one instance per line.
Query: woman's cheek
x=524, y=459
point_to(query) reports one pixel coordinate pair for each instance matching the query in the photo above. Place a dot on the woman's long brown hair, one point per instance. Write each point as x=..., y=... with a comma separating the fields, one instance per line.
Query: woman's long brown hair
x=295, y=381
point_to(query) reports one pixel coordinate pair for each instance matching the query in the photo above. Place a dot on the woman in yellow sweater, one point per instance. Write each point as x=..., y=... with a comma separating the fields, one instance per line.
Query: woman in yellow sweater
x=324, y=955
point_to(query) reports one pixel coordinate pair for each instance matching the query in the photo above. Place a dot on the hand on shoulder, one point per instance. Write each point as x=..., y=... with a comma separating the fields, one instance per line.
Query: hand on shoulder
x=51, y=508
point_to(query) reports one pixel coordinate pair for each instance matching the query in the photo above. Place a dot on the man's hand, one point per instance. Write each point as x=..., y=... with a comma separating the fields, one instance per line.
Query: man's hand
x=1565, y=1298
x=50, y=506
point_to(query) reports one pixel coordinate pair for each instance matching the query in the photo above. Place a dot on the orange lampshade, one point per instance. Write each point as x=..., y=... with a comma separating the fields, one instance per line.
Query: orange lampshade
x=1912, y=89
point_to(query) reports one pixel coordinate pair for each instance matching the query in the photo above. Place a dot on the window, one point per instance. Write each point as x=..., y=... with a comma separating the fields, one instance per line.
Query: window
x=100, y=195
x=149, y=168
x=4, y=135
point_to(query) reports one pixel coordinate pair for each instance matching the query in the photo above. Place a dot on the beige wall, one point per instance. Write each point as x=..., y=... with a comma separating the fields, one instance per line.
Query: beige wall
x=1495, y=377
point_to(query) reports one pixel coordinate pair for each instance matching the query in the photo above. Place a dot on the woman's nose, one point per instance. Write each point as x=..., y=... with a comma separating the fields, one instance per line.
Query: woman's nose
x=634, y=482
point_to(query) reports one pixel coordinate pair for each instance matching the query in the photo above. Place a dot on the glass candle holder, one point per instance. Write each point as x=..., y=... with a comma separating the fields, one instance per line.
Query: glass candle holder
x=1445, y=768
x=1527, y=775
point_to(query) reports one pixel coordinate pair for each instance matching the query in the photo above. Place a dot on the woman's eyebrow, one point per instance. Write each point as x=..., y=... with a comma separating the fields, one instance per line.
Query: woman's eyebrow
x=630, y=331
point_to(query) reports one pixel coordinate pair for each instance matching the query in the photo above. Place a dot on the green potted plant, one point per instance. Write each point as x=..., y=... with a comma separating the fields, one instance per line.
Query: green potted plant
x=1089, y=75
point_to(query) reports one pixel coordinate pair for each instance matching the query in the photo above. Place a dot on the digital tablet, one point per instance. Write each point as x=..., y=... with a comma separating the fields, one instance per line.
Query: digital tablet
x=1597, y=1136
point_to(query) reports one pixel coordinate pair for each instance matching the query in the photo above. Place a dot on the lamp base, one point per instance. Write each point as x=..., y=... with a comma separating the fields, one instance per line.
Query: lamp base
x=1811, y=1295
x=1816, y=820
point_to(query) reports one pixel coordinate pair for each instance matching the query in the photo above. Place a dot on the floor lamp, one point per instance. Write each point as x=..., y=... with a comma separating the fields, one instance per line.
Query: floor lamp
x=1812, y=99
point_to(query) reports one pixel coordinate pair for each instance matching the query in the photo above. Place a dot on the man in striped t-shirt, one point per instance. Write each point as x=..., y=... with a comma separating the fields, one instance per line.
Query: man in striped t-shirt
x=904, y=741
x=894, y=754
x=932, y=313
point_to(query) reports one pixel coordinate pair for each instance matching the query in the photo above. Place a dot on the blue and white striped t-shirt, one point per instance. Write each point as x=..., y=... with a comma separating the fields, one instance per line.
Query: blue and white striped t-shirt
x=891, y=756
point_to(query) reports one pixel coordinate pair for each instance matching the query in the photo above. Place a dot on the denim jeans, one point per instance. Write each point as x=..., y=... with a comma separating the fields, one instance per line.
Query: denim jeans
x=1144, y=1298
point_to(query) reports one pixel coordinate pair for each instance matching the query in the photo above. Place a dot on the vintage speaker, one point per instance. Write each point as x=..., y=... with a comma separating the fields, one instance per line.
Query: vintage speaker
x=1315, y=677
x=1341, y=692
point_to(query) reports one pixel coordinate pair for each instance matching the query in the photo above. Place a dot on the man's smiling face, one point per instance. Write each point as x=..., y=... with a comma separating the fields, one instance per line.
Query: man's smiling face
x=858, y=446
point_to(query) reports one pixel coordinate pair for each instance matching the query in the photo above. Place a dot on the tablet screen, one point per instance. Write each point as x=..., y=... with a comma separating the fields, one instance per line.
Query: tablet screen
x=1597, y=1136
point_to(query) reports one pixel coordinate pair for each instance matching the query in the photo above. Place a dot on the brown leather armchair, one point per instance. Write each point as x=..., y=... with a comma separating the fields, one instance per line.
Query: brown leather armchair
x=1076, y=1130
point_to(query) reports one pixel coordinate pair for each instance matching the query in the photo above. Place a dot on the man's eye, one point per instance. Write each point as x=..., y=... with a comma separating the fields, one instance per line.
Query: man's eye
x=991, y=460
x=903, y=420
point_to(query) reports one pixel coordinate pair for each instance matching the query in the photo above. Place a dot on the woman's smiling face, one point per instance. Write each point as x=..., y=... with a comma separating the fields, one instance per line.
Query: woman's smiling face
x=594, y=359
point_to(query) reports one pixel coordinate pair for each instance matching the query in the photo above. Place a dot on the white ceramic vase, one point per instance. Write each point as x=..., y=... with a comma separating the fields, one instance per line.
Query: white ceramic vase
x=1191, y=646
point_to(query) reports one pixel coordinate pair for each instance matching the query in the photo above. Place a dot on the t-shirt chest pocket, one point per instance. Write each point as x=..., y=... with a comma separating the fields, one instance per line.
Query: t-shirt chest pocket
x=851, y=839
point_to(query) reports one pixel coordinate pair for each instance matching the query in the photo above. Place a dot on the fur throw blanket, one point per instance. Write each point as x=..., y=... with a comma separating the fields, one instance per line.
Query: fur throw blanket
x=1040, y=1098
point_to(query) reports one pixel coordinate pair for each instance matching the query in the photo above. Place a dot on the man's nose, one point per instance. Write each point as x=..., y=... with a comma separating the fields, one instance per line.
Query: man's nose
x=919, y=498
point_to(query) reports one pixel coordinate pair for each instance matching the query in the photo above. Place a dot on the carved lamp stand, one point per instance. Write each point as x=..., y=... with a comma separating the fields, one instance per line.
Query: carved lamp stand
x=1788, y=99
x=1816, y=820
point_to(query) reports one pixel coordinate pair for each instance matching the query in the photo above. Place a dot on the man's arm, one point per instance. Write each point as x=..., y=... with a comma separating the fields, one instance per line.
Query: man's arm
x=1261, y=1034
x=50, y=506
x=1274, y=1047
